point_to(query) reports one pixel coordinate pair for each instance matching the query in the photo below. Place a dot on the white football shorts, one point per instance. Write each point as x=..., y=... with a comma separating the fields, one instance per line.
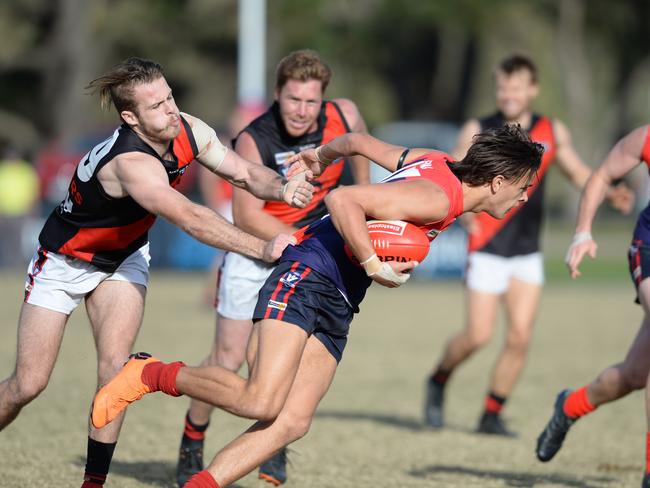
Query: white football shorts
x=58, y=282
x=240, y=283
x=489, y=273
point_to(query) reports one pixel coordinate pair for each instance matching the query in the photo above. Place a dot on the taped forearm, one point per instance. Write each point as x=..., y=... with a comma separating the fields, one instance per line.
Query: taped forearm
x=211, y=151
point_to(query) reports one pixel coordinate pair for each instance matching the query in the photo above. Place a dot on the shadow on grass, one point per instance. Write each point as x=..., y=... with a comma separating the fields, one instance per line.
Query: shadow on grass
x=511, y=478
x=406, y=423
x=151, y=473
x=392, y=420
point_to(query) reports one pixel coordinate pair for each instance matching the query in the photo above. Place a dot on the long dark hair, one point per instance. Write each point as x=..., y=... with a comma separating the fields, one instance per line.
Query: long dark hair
x=506, y=151
x=116, y=85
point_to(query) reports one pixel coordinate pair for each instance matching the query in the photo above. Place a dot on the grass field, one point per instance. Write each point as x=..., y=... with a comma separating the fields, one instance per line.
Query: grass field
x=368, y=431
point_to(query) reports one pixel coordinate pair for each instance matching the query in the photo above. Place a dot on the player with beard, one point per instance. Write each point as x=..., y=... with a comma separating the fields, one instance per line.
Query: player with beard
x=94, y=245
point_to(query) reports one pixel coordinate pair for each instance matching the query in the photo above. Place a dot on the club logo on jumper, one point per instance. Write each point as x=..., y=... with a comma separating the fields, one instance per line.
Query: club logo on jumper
x=426, y=164
x=290, y=279
x=277, y=305
x=281, y=160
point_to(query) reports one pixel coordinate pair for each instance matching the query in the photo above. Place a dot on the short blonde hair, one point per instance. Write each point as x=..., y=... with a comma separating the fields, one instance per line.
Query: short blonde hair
x=303, y=65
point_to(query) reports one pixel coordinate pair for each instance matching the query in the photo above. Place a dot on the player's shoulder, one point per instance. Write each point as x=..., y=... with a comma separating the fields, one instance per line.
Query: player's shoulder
x=561, y=131
x=349, y=109
x=469, y=128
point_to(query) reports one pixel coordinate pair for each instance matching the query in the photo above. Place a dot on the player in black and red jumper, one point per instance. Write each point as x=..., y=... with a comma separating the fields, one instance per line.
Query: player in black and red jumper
x=94, y=245
x=505, y=263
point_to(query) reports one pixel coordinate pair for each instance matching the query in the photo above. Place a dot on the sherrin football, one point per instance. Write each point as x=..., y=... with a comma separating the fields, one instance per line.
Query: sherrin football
x=396, y=240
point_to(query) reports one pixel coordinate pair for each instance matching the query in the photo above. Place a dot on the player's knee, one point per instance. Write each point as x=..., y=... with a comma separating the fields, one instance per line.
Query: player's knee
x=299, y=427
x=27, y=388
x=633, y=378
x=294, y=426
x=518, y=339
x=108, y=367
x=478, y=339
x=229, y=356
x=265, y=407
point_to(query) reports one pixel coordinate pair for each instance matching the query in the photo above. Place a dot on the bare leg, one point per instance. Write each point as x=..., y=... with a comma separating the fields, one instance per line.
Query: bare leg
x=620, y=379
x=114, y=329
x=241, y=456
x=40, y=332
x=264, y=393
x=522, y=301
x=228, y=351
x=481, y=320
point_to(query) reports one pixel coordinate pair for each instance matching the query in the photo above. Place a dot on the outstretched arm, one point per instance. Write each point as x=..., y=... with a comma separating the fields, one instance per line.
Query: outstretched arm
x=314, y=161
x=255, y=178
x=145, y=180
x=358, y=164
x=620, y=196
x=623, y=157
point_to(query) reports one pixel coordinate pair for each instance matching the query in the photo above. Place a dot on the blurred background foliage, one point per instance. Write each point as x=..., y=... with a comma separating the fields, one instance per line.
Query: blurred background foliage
x=398, y=59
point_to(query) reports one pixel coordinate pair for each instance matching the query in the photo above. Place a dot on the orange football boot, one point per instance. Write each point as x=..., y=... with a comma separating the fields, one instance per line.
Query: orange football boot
x=125, y=388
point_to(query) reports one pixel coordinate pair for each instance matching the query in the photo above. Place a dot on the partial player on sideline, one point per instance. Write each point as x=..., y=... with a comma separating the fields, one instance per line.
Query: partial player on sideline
x=631, y=374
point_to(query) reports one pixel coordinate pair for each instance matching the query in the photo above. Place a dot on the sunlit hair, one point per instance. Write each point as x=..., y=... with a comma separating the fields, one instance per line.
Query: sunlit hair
x=506, y=151
x=303, y=65
x=518, y=62
x=116, y=85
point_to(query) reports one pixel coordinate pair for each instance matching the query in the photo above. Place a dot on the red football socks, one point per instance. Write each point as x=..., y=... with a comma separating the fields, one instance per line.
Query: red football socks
x=194, y=431
x=440, y=376
x=202, y=479
x=98, y=460
x=494, y=403
x=577, y=404
x=92, y=480
x=647, y=452
x=160, y=376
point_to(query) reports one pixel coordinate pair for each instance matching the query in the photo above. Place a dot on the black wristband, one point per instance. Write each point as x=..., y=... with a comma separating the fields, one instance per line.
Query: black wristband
x=401, y=159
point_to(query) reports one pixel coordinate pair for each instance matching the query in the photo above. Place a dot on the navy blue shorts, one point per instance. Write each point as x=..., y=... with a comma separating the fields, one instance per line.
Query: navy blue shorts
x=297, y=294
x=638, y=257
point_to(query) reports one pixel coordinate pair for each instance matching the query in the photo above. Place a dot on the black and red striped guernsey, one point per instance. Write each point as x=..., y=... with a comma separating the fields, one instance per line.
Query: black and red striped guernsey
x=519, y=232
x=99, y=229
x=275, y=146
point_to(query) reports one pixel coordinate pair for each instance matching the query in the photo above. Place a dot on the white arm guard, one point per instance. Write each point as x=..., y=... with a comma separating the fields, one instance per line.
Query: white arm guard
x=578, y=239
x=211, y=151
x=374, y=267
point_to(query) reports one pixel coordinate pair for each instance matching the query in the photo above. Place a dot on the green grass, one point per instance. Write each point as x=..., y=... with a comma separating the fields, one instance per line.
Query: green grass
x=368, y=430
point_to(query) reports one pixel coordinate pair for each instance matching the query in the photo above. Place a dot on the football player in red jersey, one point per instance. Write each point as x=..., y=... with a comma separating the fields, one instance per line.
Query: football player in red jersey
x=631, y=374
x=299, y=118
x=504, y=262
x=304, y=309
x=94, y=245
